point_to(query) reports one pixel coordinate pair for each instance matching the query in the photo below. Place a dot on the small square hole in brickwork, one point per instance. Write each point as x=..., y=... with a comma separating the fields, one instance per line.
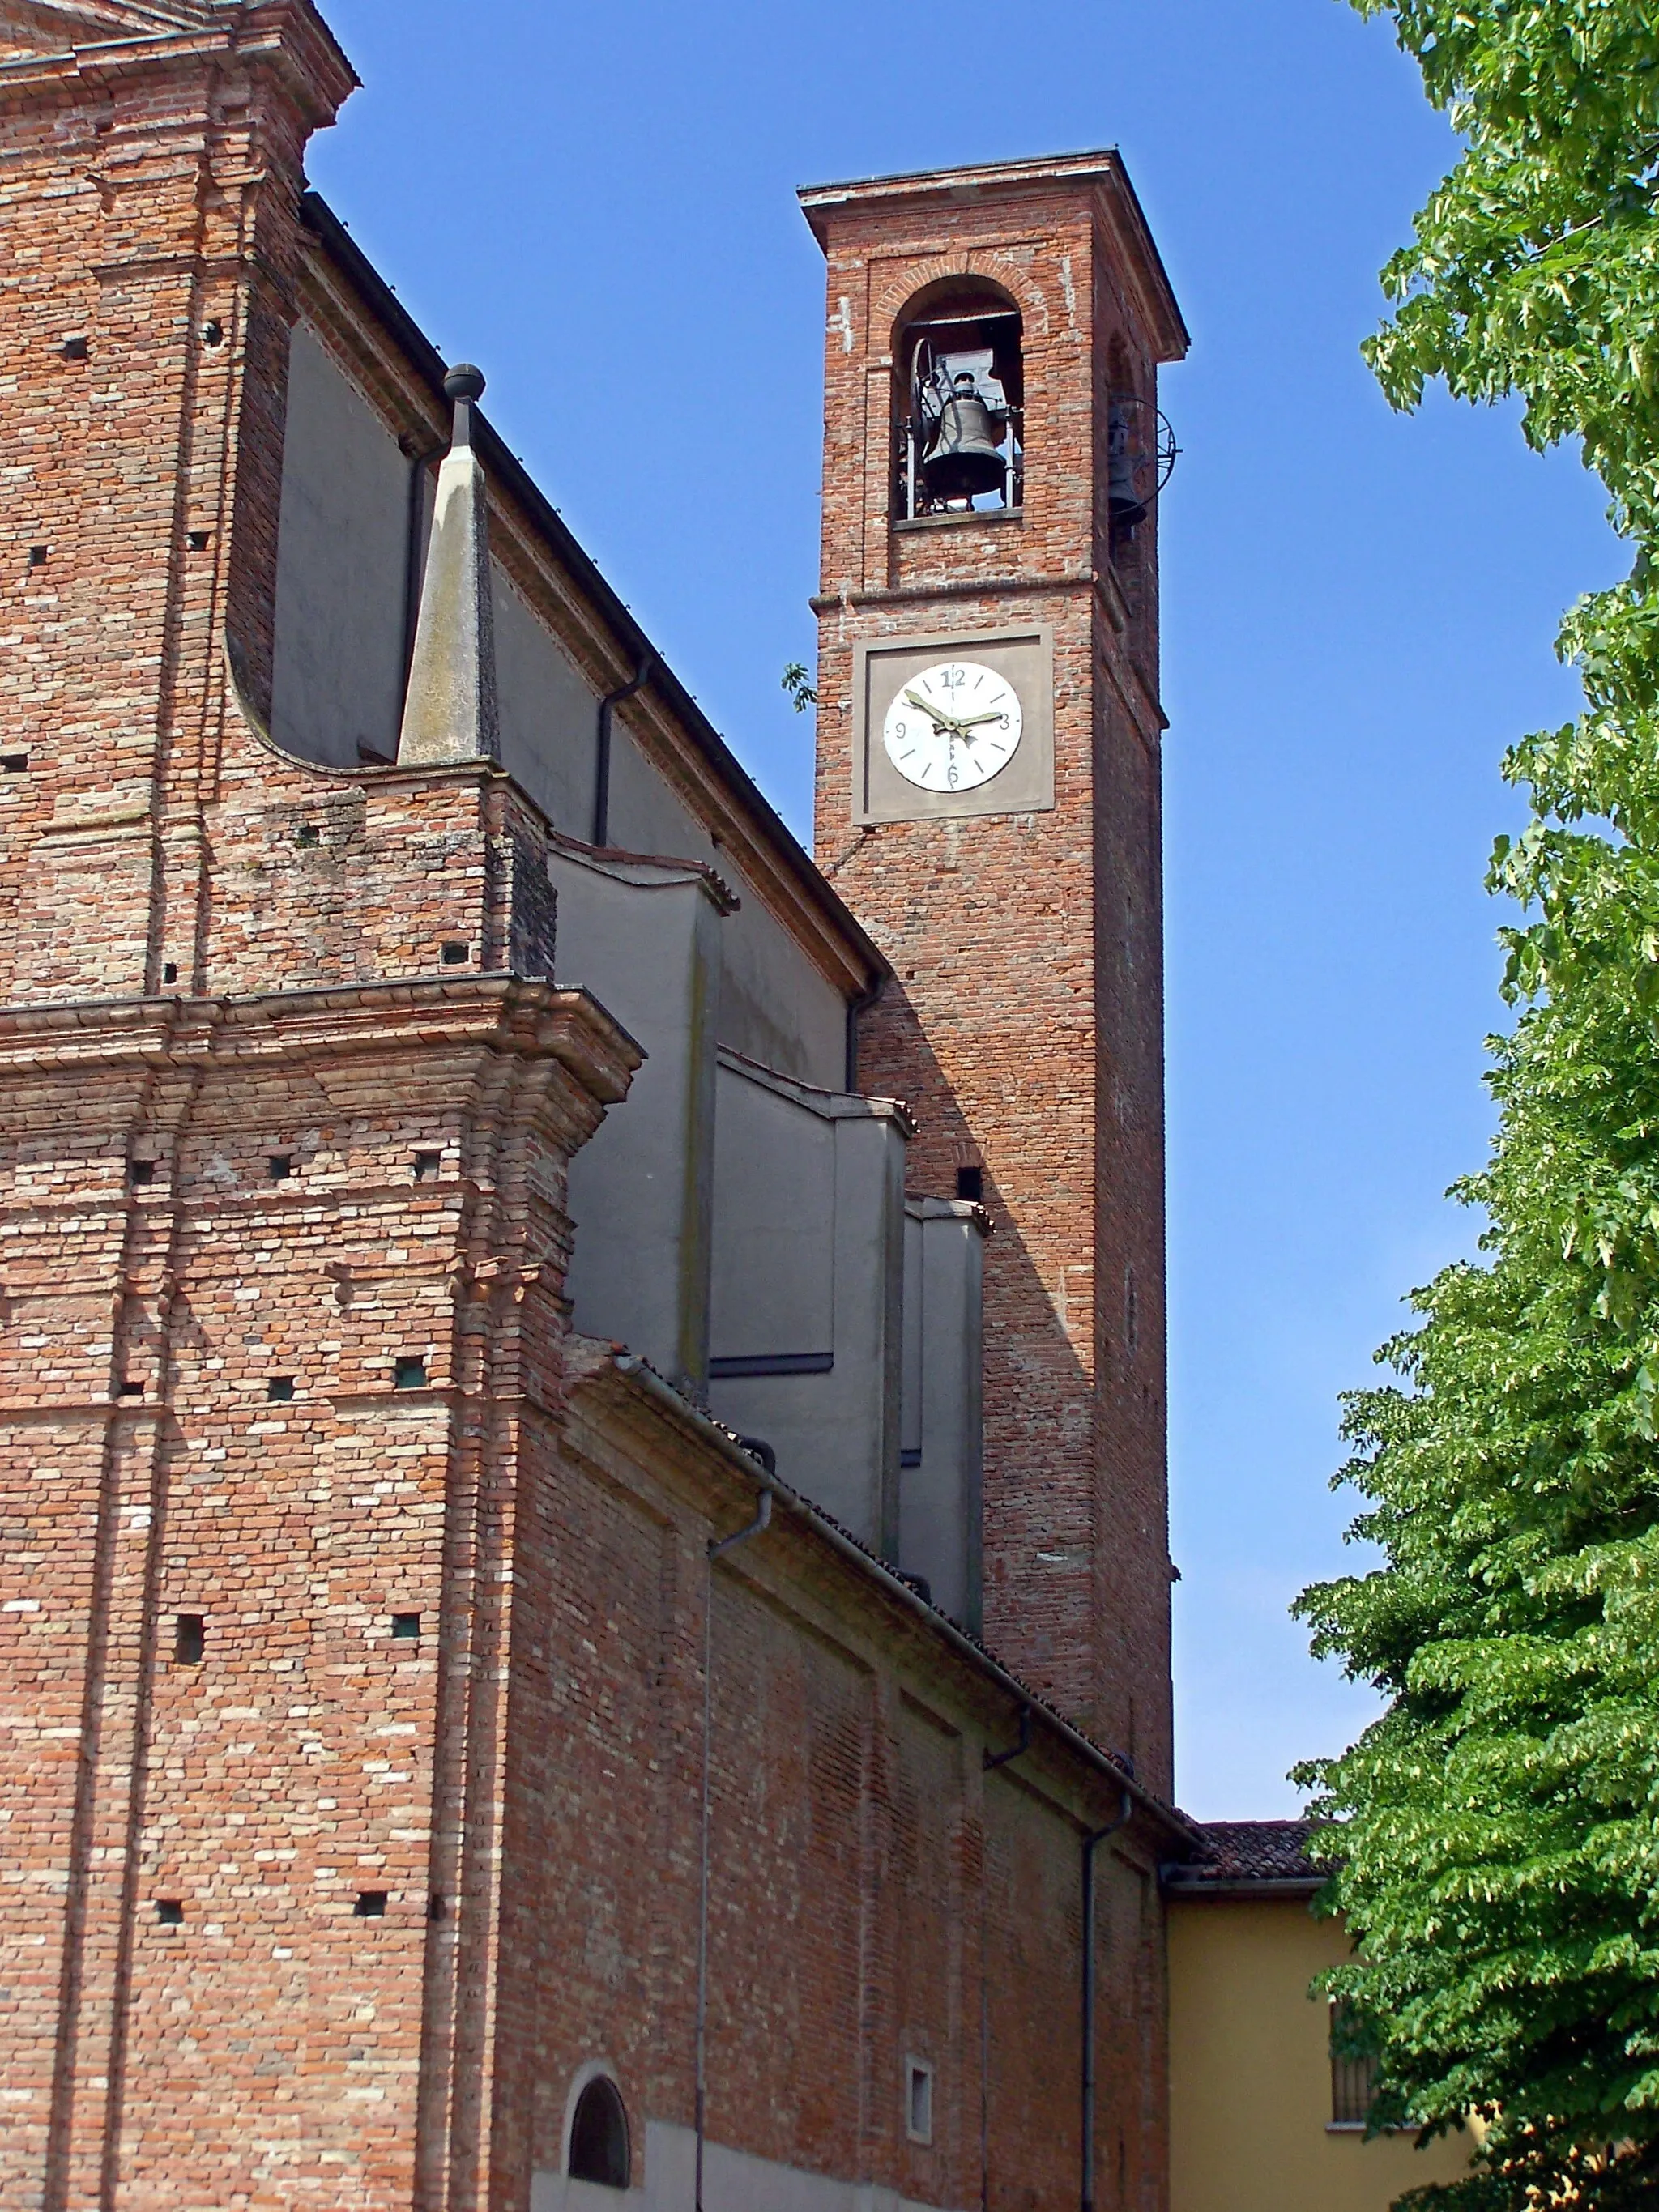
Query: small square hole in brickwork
x=170, y=972
x=307, y=833
x=427, y=1165
x=139, y=1171
x=435, y=1907
x=409, y=1374
x=970, y=1183
x=279, y=1390
x=199, y=540
x=76, y=348
x=189, y=1639
x=170, y=1912
x=279, y=1166
x=126, y=1388
x=38, y=557
x=213, y=333
x=14, y=763
x=457, y=956
x=406, y=1627
x=371, y=1904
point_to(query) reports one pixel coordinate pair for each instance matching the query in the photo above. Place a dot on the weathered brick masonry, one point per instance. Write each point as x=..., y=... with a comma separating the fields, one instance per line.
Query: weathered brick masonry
x=203, y=1421
x=1026, y=1029
x=351, y=1655
x=150, y=192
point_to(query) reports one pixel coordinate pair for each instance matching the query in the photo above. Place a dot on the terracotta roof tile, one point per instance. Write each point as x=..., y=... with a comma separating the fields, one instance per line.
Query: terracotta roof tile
x=1250, y=1851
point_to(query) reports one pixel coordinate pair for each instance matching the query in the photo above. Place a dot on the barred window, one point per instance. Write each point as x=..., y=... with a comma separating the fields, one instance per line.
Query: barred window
x=1353, y=2070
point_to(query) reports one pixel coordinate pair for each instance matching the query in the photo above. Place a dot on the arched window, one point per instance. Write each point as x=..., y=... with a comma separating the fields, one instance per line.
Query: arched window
x=959, y=395
x=599, y=2136
x=1140, y=451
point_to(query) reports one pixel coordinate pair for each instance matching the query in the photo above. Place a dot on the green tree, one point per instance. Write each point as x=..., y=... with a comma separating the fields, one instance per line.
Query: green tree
x=1499, y=1825
x=799, y=684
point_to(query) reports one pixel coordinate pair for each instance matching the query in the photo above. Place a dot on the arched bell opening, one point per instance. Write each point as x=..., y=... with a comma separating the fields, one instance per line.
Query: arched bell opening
x=1140, y=454
x=959, y=402
x=599, y=2136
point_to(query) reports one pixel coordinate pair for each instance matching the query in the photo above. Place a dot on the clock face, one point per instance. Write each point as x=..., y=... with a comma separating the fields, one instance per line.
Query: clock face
x=952, y=727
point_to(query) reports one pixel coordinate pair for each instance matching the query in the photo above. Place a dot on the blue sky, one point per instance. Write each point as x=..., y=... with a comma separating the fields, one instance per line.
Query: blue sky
x=598, y=206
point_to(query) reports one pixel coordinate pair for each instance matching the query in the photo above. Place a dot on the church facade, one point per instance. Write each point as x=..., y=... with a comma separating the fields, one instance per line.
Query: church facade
x=586, y=1589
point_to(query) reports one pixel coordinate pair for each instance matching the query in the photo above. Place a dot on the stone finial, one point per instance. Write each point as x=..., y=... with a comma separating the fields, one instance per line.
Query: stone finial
x=463, y=383
x=449, y=710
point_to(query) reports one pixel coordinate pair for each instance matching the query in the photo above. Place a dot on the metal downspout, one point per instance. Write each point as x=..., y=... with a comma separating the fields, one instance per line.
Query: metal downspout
x=608, y=706
x=855, y=1007
x=990, y=1761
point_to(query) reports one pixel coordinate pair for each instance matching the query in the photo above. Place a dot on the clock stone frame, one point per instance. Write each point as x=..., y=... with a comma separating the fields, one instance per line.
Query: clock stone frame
x=1023, y=656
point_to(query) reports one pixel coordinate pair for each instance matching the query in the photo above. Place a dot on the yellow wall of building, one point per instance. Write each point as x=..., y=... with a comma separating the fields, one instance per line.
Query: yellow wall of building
x=1250, y=2074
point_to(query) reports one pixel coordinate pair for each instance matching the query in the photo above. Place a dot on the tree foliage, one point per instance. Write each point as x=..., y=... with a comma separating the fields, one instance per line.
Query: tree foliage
x=1500, y=1824
x=799, y=684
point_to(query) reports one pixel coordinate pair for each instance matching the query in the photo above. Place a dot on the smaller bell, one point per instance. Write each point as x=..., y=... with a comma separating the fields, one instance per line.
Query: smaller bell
x=1125, y=502
x=964, y=458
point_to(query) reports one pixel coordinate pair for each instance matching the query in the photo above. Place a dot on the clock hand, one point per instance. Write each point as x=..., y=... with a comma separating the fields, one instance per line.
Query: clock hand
x=942, y=720
x=965, y=730
x=937, y=716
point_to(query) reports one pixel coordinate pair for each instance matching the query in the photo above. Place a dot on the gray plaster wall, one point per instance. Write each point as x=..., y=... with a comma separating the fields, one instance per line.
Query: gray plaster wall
x=941, y=1422
x=342, y=568
x=775, y=1006
x=341, y=642
x=646, y=815
x=735, y=2181
x=776, y=1180
x=807, y=1283
x=646, y=941
x=548, y=713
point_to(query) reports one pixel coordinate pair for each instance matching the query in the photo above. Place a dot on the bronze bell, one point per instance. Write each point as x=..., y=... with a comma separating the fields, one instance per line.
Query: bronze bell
x=1125, y=501
x=962, y=459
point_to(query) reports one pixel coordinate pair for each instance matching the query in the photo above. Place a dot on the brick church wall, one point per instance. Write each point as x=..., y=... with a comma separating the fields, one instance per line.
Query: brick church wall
x=221, y=1178
x=875, y=1895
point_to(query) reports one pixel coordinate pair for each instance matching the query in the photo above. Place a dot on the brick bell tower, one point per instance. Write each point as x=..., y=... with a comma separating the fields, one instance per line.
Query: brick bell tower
x=989, y=804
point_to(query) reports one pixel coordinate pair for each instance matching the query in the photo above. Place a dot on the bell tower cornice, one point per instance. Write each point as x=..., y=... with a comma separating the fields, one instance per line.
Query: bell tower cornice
x=1001, y=186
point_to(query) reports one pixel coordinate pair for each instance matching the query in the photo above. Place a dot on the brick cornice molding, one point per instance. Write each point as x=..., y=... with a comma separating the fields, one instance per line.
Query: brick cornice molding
x=66, y=25
x=100, y=43
x=503, y=1015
